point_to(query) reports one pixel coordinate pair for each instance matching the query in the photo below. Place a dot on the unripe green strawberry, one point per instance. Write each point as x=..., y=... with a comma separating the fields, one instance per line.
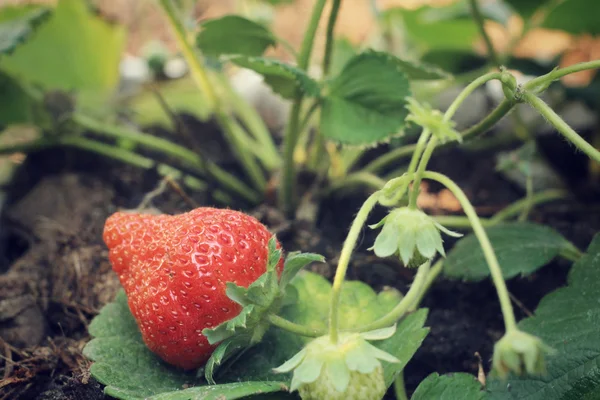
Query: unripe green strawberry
x=369, y=386
x=174, y=270
x=347, y=369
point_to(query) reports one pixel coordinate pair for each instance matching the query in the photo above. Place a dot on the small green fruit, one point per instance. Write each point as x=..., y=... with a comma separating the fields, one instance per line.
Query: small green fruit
x=369, y=386
x=517, y=352
x=349, y=369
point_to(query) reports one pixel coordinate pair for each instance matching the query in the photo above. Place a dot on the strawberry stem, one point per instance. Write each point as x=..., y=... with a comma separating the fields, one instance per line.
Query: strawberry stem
x=404, y=305
x=342, y=267
x=292, y=327
x=486, y=247
x=233, y=133
x=434, y=141
x=292, y=130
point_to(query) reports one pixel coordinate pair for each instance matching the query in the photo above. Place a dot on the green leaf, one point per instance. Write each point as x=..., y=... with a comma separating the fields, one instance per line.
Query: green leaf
x=366, y=101
x=294, y=263
x=403, y=345
x=274, y=254
x=526, y=8
x=229, y=391
x=234, y=35
x=74, y=50
x=574, y=16
x=521, y=248
x=122, y=360
x=283, y=78
x=131, y=371
x=17, y=105
x=418, y=70
x=222, y=353
x=231, y=327
x=566, y=320
x=18, y=23
x=429, y=28
x=449, y=387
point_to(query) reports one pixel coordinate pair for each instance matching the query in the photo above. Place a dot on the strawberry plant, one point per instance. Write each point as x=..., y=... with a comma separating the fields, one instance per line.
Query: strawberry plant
x=213, y=306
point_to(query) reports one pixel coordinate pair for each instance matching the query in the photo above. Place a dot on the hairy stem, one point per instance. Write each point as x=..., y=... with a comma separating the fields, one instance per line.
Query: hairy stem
x=288, y=184
x=486, y=247
x=433, y=141
x=414, y=193
x=342, y=267
x=561, y=126
x=397, y=195
x=544, y=80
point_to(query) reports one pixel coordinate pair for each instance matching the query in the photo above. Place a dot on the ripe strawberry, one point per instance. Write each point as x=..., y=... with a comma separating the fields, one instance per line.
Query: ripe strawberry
x=175, y=268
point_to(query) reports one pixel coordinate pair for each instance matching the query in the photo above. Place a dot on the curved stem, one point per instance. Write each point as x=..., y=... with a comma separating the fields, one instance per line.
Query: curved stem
x=404, y=305
x=399, y=387
x=470, y=88
x=106, y=150
x=342, y=267
x=544, y=80
x=335, y=8
x=512, y=210
x=355, y=180
x=486, y=247
x=256, y=126
x=389, y=157
x=492, y=118
x=169, y=148
x=393, y=200
x=561, y=126
x=458, y=221
x=414, y=193
x=197, y=70
x=152, y=142
x=480, y=24
x=290, y=326
x=403, y=152
x=201, y=77
x=432, y=275
x=288, y=184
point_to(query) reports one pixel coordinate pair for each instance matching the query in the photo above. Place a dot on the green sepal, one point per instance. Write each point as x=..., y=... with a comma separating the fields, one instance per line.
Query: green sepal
x=294, y=263
x=274, y=254
x=223, y=353
x=265, y=296
x=229, y=328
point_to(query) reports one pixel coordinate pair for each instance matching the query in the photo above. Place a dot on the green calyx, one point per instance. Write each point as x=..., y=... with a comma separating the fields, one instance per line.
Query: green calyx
x=337, y=363
x=423, y=115
x=411, y=233
x=520, y=352
x=262, y=298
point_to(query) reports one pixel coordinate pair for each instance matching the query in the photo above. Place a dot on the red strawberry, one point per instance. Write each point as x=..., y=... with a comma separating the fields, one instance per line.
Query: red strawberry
x=175, y=268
